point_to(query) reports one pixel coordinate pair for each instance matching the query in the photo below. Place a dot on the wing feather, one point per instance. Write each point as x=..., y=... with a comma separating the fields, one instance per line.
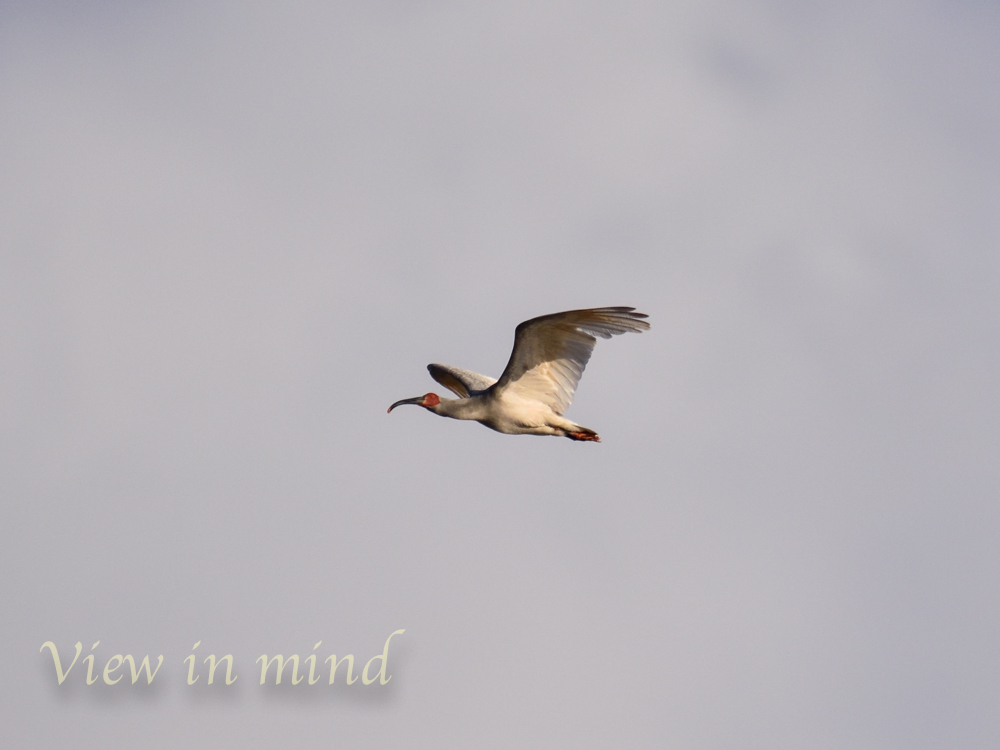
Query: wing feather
x=462, y=383
x=551, y=352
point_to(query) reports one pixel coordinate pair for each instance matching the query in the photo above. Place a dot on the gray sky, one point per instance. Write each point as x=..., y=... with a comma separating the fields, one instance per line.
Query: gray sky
x=231, y=234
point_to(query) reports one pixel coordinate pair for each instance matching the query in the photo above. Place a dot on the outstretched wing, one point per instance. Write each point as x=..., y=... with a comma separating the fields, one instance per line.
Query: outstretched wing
x=551, y=352
x=460, y=382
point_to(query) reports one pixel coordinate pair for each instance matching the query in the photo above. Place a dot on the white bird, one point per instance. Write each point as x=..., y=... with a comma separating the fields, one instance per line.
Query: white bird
x=537, y=386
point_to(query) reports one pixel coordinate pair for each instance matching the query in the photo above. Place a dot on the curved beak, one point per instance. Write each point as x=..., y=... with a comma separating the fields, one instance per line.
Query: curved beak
x=417, y=400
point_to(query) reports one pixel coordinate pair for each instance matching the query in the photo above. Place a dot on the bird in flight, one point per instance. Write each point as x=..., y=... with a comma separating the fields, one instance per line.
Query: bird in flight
x=537, y=386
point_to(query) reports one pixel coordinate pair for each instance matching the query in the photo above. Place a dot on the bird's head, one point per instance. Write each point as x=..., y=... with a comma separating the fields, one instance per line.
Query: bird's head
x=428, y=401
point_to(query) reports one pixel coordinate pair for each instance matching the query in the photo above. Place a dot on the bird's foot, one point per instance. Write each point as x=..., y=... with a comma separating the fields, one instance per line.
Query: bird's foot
x=591, y=436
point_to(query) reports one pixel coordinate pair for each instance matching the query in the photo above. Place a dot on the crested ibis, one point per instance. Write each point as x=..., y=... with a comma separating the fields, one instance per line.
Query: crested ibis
x=549, y=356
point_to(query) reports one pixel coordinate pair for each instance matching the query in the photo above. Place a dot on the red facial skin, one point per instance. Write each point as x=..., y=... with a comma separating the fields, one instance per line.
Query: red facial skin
x=431, y=399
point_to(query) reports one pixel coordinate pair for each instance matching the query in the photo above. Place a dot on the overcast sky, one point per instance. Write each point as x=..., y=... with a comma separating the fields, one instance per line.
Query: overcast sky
x=232, y=233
